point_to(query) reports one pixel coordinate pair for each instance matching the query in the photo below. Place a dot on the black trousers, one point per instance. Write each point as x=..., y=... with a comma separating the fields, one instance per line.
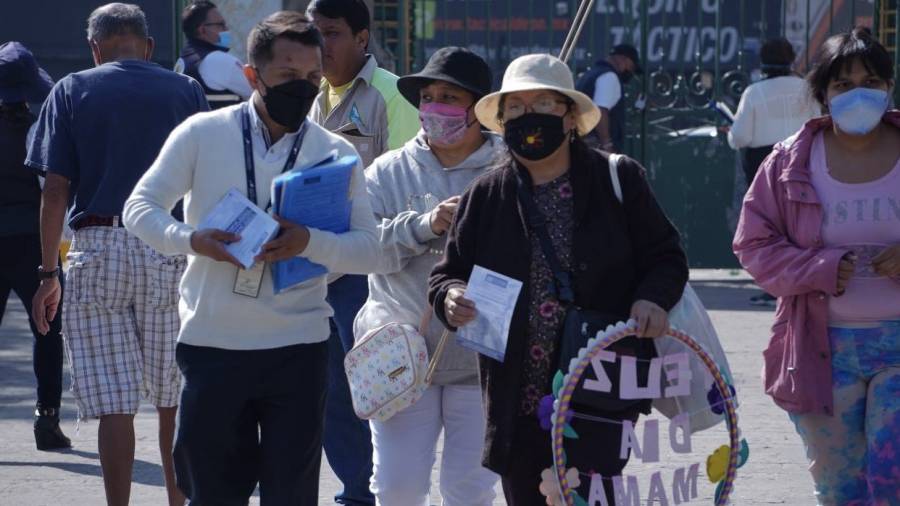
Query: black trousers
x=20, y=256
x=249, y=417
x=597, y=449
x=751, y=159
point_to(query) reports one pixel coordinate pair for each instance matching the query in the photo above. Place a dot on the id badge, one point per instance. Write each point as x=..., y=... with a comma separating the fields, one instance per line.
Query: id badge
x=249, y=281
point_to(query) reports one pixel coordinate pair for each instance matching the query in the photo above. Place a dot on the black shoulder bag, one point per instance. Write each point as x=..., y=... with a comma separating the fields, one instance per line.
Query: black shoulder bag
x=580, y=324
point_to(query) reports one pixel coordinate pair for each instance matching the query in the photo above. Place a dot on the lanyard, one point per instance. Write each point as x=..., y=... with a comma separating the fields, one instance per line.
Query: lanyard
x=249, y=165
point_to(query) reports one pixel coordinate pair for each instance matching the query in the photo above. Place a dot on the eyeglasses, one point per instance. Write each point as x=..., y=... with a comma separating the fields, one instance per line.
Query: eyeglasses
x=543, y=105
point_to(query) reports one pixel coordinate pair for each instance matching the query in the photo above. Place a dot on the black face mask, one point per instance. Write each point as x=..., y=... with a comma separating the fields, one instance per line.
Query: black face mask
x=625, y=77
x=290, y=102
x=534, y=136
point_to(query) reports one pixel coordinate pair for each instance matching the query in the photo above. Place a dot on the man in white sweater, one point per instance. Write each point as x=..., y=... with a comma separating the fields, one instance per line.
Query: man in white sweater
x=254, y=367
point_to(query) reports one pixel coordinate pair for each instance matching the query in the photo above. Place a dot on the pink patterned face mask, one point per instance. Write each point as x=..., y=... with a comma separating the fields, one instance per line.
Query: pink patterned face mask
x=444, y=124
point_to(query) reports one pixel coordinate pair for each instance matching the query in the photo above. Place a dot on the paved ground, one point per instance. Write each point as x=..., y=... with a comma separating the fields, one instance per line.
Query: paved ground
x=775, y=474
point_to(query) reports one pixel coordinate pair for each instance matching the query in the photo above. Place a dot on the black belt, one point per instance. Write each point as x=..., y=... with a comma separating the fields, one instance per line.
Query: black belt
x=97, y=221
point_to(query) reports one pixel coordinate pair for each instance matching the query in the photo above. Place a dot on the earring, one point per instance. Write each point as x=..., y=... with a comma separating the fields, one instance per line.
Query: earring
x=572, y=136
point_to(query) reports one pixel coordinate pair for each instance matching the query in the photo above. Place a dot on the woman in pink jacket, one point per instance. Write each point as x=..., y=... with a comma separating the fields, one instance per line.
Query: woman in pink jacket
x=820, y=229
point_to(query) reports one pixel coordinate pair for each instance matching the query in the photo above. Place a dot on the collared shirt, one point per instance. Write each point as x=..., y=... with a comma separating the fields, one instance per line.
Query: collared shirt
x=372, y=114
x=262, y=140
x=335, y=95
x=202, y=160
x=102, y=128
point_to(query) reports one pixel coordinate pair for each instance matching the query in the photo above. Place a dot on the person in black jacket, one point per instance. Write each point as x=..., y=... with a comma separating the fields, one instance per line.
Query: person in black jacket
x=605, y=84
x=23, y=81
x=625, y=260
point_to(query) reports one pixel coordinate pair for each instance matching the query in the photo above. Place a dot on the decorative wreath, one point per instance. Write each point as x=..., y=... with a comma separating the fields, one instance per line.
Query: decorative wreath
x=721, y=466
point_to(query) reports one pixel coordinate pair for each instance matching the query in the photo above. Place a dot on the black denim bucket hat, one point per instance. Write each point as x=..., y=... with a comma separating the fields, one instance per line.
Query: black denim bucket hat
x=456, y=65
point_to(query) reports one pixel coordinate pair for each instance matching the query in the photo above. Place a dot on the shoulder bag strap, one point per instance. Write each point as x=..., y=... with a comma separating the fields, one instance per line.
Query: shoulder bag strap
x=538, y=225
x=614, y=159
x=423, y=329
x=432, y=365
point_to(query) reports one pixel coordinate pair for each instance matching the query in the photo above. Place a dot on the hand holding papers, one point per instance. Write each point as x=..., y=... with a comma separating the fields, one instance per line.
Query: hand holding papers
x=495, y=298
x=316, y=197
x=234, y=213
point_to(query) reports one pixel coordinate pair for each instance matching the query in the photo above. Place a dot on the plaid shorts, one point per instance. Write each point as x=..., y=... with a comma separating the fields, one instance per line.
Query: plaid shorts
x=120, y=322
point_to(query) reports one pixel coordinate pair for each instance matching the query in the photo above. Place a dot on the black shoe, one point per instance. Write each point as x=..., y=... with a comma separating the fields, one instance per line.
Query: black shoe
x=47, y=434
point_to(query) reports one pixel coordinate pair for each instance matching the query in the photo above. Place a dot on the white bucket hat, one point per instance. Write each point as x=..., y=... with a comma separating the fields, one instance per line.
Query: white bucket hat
x=538, y=72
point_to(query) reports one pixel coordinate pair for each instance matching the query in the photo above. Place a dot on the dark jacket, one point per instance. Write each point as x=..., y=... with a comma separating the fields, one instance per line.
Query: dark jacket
x=587, y=84
x=621, y=254
x=192, y=54
x=20, y=193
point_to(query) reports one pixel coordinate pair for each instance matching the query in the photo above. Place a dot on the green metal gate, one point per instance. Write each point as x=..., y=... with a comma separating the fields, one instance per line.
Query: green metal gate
x=695, y=52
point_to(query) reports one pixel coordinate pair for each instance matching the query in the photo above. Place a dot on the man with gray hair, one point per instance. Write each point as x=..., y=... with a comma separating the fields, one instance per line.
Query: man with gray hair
x=97, y=134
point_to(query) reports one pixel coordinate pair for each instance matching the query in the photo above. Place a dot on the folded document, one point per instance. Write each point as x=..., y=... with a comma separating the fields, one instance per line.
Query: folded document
x=495, y=297
x=316, y=196
x=237, y=214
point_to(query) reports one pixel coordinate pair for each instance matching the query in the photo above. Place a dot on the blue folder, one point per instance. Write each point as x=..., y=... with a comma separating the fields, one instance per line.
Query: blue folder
x=316, y=196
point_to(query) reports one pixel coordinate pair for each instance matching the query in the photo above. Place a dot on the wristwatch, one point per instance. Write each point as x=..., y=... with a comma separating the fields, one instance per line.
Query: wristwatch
x=42, y=274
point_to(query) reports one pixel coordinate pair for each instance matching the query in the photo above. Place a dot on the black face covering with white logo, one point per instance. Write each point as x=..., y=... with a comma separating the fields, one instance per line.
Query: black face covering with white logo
x=534, y=136
x=289, y=103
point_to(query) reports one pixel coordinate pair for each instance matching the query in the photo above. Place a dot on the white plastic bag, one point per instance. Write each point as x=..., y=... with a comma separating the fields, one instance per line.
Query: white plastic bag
x=690, y=317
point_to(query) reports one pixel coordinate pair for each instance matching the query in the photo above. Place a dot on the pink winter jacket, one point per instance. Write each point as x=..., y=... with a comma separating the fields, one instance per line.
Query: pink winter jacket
x=779, y=242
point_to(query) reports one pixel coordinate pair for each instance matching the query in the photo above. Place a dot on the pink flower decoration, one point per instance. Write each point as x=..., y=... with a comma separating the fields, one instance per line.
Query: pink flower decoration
x=548, y=309
x=565, y=190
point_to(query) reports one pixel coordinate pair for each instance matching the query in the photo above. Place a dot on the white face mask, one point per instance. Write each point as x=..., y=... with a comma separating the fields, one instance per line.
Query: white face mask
x=858, y=111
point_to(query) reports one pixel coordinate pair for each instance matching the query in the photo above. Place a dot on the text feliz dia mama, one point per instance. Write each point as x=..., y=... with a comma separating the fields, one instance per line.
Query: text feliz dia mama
x=676, y=368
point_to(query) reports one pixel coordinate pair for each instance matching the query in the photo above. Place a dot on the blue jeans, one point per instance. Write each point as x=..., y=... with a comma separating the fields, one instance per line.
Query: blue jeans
x=348, y=442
